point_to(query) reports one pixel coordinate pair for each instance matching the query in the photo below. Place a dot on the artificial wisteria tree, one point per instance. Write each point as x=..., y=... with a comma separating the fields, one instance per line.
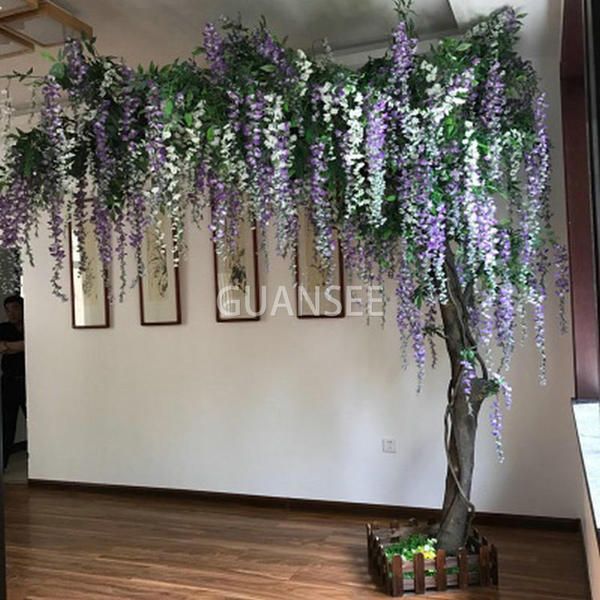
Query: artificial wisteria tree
x=430, y=168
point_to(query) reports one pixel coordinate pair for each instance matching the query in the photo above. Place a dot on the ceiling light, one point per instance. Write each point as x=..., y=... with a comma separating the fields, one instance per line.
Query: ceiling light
x=13, y=45
x=47, y=25
x=10, y=7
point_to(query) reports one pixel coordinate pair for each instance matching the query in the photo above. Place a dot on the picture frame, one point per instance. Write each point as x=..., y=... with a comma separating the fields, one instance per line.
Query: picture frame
x=90, y=305
x=315, y=298
x=159, y=287
x=233, y=304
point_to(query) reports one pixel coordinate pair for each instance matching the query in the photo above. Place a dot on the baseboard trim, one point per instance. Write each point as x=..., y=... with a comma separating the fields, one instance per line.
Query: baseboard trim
x=382, y=511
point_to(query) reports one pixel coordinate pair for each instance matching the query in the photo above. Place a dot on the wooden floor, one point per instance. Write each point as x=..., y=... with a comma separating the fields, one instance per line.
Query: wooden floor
x=70, y=545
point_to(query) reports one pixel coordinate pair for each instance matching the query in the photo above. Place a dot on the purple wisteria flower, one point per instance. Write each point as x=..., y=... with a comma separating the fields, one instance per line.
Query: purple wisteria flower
x=274, y=53
x=403, y=52
x=410, y=321
x=138, y=221
x=130, y=105
x=468, y=376
x=52, y=125
x=561, y=282
x=77, y=67
x=214, y=48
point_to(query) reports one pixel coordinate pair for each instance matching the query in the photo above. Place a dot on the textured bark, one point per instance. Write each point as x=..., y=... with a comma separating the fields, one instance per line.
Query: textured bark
x=462, y=415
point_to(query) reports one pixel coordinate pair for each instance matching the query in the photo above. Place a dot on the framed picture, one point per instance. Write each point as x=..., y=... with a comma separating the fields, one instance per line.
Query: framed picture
x=160, y=302
x=236, y=280
x=316, y=298
x=89, y=293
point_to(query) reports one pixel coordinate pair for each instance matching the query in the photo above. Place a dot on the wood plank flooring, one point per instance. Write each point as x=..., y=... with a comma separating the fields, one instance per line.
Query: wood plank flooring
x=72, y=545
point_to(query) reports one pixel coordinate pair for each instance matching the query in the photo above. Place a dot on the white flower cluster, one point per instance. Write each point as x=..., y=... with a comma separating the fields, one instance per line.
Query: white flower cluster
x=352, y=107
x=6, y=111
x=280, y=144
x=305, y=69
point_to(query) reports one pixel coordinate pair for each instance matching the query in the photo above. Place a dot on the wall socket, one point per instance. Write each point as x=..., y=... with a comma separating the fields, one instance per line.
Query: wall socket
x=388, y=445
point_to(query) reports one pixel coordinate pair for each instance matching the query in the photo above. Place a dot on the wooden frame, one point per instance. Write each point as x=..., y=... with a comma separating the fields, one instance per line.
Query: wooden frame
x=172, y=275
x=105, y=324
x=29, y=6
x=51, y=11
x=253, y=262
x=28, y=47
x=300, y=268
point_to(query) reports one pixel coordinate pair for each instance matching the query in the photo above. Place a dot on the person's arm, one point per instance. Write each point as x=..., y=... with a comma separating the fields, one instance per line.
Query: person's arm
x=12, y=347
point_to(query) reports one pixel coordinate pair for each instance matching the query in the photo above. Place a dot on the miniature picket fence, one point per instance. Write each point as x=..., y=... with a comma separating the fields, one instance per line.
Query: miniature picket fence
x=400, y=576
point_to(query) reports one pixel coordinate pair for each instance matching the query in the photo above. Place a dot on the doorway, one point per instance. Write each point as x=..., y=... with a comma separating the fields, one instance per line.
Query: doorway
x=11, y=284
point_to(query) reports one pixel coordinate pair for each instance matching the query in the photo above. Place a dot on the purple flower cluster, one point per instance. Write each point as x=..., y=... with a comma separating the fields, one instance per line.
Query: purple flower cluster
x=226, y=215
x=77, y=67
x=52, y=125
x=15, y=206
x=274, y=53
x=130, y=106
x=138, y=221
x=496, y=417
x=403, y=52
x=259, y=170
x=105, y=169
x=105, y=162
x=214, y=47
x=561, y=282
x=494, y=98
x=504, y=315
x=410, y=321
x=536, y=212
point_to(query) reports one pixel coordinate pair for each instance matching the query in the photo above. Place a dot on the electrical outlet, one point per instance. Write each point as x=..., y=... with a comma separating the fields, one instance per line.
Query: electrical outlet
x=388, y=445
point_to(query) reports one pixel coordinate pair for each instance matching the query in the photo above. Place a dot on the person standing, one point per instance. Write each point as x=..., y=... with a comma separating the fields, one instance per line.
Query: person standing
x=12, y=348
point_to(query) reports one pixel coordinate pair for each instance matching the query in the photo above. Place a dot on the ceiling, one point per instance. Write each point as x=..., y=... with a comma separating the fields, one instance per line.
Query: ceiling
x=141, y=31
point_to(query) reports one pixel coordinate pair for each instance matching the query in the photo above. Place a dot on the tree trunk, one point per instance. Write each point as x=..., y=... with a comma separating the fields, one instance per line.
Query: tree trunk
x=461, y=417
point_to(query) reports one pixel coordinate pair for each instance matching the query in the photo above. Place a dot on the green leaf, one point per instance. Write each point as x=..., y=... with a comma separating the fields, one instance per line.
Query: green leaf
x=58, y=70
x=169, y=107
x=48, y=56
x=189, y=119
x=268, y=68
x=210, y=134
x=463, y=46
x=390, y=198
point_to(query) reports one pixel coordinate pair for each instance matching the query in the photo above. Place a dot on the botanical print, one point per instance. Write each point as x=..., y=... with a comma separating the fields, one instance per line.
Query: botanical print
x=88, y=293
x=158, y=286
x=235, y=278
x=157, y=267
x=318, y=281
